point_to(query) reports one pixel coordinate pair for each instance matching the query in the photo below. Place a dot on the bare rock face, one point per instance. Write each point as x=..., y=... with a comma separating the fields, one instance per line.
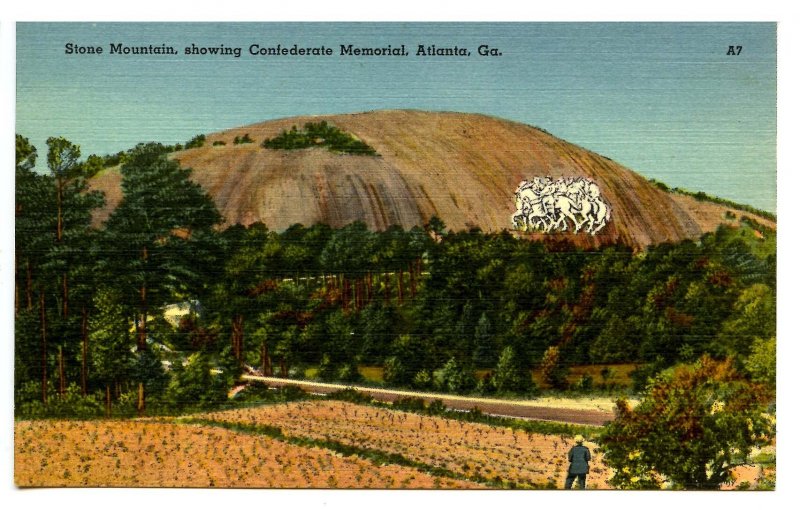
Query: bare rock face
x=463, y=168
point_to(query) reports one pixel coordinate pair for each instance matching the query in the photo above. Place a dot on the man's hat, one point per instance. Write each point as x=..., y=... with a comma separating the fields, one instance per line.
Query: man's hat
x=579, y=439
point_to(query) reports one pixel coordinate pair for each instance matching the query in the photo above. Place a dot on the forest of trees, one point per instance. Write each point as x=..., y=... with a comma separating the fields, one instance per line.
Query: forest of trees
x=430, y=306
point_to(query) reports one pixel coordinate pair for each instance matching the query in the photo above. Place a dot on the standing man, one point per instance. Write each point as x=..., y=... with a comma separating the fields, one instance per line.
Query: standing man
x=579, y=458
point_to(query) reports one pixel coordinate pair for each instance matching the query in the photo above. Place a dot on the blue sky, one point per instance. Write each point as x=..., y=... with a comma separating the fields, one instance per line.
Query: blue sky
x=662, y=98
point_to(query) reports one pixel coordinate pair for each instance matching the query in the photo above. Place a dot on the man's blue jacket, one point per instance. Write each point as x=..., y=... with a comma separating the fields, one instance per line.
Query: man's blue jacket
x=579, y=458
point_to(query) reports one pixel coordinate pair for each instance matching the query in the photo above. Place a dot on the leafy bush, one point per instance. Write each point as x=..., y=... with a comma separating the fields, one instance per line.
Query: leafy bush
x=194, y=386
x=660, y=185
x=410, y=404
x=752, y=318
x=351, y=395
x=71, y=405
x=344, y=372
x=197, y=141
x=762, y=363
x=348, y=372
x=511, y=375
x=554, y=372
x=125, y=405
x=419, y=406
x=437, y=408
x=29, y=391
x=693, y=426
x=217, y=143
x=423, y=380
x=396, y=373
x=327, y=369
x=453, y=378
x=244, y=139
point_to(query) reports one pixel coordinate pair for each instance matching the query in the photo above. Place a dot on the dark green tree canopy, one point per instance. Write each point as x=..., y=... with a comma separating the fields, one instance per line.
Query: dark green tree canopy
x=25, y=153
x=430, y=306
x=62, y=157
x=159, y=197
x=160, y=240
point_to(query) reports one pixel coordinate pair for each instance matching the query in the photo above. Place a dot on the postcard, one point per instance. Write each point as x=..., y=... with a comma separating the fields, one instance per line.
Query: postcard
x=388, y=255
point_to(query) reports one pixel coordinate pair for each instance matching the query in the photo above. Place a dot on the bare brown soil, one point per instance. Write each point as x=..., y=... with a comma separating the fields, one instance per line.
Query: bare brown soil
x=146, y=454
x=468, y=449
x=463, y=168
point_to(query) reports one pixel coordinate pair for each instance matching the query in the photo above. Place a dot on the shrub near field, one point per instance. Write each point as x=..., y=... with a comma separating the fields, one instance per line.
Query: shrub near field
x=472, y=450
x=149, y=454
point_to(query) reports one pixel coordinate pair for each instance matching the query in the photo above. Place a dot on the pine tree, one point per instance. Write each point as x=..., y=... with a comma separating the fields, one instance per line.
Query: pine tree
x=161, y=235
x=68, y=258
x=53, y=234
x=160, y=247
x=109, y=339
x=484, y=354
x=511, y=374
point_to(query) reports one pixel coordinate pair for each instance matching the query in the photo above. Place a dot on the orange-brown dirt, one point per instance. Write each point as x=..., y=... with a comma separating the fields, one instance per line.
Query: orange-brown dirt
x=468, y=449
x=141, y=454
x=463, y=168
x=147, y=453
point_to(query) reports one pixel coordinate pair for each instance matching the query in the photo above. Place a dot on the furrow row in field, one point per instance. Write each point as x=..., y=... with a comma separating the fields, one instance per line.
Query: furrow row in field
x=470, y=450
x=153, y=454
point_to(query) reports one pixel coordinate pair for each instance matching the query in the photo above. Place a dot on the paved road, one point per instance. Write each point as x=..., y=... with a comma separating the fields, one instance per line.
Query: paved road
x=526, y=409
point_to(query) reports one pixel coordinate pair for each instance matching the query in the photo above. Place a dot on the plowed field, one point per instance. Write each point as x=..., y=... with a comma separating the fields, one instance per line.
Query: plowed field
x=470, y=450
x=148, y=454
